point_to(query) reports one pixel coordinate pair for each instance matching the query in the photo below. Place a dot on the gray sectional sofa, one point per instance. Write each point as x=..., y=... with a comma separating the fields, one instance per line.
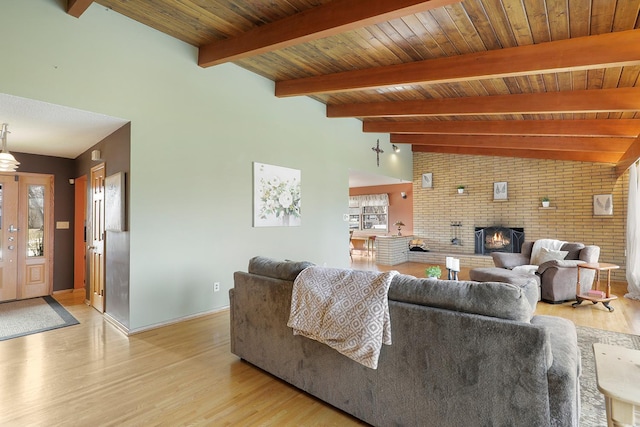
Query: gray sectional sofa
x=463, y=353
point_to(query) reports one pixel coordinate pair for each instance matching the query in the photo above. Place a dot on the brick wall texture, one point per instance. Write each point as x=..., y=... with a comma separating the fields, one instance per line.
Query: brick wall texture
x=570, y=186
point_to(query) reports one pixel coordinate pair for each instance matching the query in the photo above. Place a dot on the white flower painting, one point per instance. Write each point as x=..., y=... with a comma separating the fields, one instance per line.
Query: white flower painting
x=276, y=196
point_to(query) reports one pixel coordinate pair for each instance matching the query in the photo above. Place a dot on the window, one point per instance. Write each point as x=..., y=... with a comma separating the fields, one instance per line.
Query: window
x=375, y=218
x=369, y=212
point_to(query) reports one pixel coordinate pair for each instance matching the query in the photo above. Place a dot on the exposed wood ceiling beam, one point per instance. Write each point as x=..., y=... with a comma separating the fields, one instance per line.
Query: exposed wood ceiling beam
x=78, y=7
x=588, y=127
x=579, y=101
x=524, y=153
x=584, y=53
x=629, y=157
x=327, y=20
x=509, y=142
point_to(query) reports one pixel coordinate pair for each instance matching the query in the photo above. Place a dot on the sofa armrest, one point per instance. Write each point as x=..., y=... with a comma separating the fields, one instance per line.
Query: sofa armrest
x=590, y=253
x=564, y=372
x=509, y=260
x=564, y=263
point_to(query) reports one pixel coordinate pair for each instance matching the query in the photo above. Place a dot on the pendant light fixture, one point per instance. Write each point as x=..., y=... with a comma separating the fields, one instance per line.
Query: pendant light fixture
x=8, y=163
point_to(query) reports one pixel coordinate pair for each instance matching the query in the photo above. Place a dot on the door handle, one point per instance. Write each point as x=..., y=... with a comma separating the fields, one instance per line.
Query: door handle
x=91, y=247
x=12, y=229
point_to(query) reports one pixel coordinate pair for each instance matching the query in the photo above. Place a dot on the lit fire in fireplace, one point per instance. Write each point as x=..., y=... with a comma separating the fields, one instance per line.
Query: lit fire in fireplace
x=496, y=241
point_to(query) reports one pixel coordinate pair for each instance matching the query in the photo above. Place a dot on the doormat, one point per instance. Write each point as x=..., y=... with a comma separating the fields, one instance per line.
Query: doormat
x=593, y=412
x=31, y=316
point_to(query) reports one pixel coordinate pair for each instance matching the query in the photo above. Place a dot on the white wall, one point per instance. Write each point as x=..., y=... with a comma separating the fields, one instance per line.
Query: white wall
x=195, y=134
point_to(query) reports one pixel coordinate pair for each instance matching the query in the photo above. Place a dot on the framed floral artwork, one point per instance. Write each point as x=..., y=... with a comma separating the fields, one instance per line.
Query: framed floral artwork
x=603, y=205
x=276, y=196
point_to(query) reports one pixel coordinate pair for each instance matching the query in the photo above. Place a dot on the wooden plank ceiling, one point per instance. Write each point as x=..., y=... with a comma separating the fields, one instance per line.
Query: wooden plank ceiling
x=549, y=79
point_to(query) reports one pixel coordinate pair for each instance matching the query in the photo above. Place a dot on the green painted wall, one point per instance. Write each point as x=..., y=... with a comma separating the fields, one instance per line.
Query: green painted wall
x=194, y=135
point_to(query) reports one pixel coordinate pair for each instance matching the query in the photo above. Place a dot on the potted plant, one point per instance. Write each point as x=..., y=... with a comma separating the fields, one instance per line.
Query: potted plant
x=460, y=189
x=399, y=224
x=433, y=271
x=545, y=202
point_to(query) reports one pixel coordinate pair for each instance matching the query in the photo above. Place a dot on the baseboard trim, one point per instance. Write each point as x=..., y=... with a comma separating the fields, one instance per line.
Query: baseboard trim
x=174, y=321
x=119, y=326
x=68, y=291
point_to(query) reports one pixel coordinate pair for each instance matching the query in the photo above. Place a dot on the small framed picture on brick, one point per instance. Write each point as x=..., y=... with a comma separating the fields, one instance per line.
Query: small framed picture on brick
x=500, y=191
x=427, y=180
x=603, y=205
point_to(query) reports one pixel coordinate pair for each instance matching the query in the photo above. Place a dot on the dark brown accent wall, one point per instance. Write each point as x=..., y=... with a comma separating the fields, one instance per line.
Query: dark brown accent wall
x=115, y=150
x=62, y=170
x=116, y=154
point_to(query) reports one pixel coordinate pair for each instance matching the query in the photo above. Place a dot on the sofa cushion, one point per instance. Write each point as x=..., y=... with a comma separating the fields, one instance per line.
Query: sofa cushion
x=276, y=269
x=509, y=260
x=573, y=249
x=550, y=255
x=495, y=299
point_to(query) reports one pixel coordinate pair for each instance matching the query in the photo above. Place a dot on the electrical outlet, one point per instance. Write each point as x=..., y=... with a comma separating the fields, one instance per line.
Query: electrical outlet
x=216, y=286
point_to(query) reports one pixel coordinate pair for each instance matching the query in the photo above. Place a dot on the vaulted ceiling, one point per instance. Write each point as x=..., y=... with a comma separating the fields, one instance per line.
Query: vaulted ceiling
x=548, y=79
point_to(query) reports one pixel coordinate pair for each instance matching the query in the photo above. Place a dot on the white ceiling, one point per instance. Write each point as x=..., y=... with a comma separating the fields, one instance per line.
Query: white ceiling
x=367, y=179
x=38, y=127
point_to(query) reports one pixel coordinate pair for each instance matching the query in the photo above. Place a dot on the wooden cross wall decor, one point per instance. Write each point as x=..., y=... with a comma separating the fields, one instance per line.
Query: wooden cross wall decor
x=378, y=152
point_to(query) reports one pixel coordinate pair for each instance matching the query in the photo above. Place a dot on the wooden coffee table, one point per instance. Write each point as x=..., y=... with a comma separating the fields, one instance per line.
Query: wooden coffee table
x=598, y=267
x=618, y=378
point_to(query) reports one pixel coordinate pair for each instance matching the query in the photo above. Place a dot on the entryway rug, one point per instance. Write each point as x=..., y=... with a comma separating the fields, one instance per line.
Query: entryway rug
x=593, y=412
x=30, y=316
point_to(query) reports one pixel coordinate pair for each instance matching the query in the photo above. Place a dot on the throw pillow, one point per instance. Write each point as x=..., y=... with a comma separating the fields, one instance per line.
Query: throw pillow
x=550, y=255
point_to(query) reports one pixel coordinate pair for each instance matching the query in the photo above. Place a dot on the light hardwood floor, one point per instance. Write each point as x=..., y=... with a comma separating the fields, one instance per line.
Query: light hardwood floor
x=182, y=374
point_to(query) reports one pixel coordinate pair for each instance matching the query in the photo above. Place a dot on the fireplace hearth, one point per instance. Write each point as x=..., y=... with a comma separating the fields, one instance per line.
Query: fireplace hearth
x=498, y=239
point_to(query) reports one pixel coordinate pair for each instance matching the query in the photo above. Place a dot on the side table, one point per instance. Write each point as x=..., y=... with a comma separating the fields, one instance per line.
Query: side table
x=618, y=376
x=598, y=267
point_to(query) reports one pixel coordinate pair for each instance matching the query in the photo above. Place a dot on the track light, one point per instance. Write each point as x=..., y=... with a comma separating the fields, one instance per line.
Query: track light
x=395, y=148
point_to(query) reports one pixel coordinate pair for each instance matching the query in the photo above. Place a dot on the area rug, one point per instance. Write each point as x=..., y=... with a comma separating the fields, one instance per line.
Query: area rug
x=593, y=412
x=31, y=316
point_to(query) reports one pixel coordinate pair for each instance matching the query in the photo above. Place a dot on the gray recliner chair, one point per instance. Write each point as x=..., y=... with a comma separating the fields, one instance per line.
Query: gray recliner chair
x=558, y=278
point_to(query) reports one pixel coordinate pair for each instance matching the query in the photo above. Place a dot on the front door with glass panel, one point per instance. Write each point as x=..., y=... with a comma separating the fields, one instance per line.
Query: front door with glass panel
x=8, y=234
x=26, y=233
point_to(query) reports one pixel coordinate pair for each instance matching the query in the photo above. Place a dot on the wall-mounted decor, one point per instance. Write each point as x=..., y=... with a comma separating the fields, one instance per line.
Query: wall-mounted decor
x=114, y=202
x=603, y=204
x=500, y=191
x=378, y=151
x=276, y=196
x=427, y=180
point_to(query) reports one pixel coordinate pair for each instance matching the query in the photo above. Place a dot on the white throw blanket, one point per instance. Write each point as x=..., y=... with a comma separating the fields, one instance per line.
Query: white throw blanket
x=346, y=309
x=551, y=244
